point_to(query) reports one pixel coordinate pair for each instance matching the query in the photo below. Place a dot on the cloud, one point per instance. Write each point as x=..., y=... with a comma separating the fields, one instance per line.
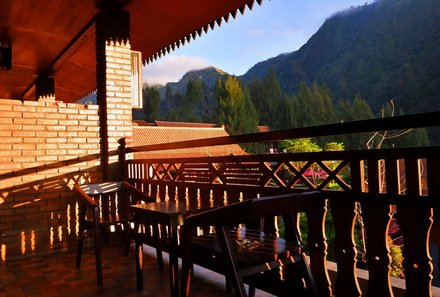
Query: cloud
x=171, y=68
x=256, y=32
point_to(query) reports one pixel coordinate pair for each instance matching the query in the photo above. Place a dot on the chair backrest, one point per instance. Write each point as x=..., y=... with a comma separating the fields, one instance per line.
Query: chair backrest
x=275, y=253
x=110, y=198
x=256, y=208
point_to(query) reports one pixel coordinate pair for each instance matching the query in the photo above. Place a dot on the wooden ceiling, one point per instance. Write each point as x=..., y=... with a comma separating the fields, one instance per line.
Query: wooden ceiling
x=57, y=37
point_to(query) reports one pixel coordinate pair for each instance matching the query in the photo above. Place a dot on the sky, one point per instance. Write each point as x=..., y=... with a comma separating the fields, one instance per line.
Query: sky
x=275, y=27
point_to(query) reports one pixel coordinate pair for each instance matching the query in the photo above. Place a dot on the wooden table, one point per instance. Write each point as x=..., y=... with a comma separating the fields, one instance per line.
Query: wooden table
x=171, y=214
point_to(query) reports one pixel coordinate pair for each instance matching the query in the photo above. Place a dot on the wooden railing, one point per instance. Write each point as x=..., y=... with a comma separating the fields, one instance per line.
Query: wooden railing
x=379, y=185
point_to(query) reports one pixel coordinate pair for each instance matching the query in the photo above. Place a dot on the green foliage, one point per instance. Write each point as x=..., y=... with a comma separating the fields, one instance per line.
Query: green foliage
x=333, y=146
x=379, y=51
x=151, y=103
x=267, y=97
x=241, y=109
x=396, y=259
x=356, y=111
x=235, y=108
x=300, y=145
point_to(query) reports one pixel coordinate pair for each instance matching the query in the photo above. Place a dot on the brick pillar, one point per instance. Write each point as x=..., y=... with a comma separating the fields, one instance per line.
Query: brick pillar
x=113, y=77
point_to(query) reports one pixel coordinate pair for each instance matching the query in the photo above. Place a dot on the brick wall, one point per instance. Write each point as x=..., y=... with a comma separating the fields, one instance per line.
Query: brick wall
x=45, y=148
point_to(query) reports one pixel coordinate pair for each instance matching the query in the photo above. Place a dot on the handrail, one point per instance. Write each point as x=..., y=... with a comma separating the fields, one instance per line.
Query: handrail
x=421, y=120
x=398, y=153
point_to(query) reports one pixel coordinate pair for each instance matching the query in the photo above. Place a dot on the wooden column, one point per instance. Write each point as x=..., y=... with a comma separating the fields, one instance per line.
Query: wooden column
x=44, y=88
x=5, y=55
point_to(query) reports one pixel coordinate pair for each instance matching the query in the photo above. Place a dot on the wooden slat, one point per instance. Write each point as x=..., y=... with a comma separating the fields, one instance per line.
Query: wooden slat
x=357, y=176
x=392, y=176
x=373, y=176
x=242, y=181
x=412, y=177
x=433, y=178
x=203, y=179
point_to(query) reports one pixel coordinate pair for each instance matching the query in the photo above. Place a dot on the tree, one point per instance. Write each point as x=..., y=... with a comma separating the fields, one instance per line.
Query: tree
x=267, y=97
x=405, y=137
x=151, y=103
x=235, y=108
x=300, y=145
x=356, y=111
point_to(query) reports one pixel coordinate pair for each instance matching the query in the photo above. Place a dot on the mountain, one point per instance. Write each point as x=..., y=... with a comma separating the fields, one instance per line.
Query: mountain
x=380, y=51
x=208, y=75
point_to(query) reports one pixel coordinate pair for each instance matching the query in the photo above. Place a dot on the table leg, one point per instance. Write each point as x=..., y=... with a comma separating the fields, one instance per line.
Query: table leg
x=139, y=260
x=174, y=264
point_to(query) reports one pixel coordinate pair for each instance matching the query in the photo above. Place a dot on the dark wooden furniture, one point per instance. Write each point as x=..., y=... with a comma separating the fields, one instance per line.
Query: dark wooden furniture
x=170, y=215
x=101, y=206
x=257, y=256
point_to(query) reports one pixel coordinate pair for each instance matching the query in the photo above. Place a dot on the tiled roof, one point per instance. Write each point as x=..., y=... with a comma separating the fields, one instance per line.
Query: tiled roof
x=148, y=135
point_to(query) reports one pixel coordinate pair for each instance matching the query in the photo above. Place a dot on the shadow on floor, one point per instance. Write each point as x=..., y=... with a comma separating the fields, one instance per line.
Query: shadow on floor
x=56, y=275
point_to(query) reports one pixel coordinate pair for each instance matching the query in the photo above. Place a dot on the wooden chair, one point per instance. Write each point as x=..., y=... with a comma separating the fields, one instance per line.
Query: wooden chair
x=254, y=256
x=101, y=206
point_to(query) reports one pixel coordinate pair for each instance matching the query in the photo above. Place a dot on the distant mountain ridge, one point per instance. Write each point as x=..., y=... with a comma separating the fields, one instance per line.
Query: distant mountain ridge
x=380, y=51
x=208, y=75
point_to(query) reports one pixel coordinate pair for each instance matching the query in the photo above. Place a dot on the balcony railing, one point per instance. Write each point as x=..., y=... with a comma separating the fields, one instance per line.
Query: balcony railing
x=377, y=185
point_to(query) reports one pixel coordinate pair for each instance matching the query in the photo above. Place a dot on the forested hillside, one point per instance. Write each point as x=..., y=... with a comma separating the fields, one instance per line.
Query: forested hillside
x=381, y=51
x=369, y=61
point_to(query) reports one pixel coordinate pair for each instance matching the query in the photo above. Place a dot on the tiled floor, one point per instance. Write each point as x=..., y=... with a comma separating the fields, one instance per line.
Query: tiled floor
x=56, y=275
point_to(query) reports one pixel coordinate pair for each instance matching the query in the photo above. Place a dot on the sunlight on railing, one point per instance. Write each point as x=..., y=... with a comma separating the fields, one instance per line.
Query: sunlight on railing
x=77, y=219
x=3, y=252
x=51, y=236
x=60, y=233
x=23, y=242
x=69, y=229
x=33, y=240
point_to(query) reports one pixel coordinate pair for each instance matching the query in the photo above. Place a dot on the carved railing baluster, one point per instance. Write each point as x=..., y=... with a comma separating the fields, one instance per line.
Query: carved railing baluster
x=193, y=196
x=162, y=192
x=344, y=215
x=181, y=193
x=154, y=191
x=232, y=196
x=317, y=244
x=218, y=197
x=377, y=217
x=205, y=198
x=172, y=192
x=417, y=261
x=415, y=223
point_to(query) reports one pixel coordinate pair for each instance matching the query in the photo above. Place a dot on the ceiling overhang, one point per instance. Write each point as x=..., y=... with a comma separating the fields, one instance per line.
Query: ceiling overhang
x=57, y=37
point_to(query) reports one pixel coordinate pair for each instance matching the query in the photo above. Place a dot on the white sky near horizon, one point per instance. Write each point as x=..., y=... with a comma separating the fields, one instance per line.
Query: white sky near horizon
x=275, y=27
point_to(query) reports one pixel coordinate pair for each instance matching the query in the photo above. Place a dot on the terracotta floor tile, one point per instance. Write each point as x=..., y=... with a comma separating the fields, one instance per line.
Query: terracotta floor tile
x=56, y=275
